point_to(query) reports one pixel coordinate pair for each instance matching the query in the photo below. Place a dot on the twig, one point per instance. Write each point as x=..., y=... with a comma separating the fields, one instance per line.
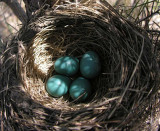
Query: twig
x=143, y=19
x=156, y=24
x=33, y=5
x=127, y=86
x=156, y=31
x=5, y=20
x=133, y=73
x=17, y=10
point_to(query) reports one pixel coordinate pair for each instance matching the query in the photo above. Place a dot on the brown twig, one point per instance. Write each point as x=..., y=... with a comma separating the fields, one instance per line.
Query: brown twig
x=143, y=19
x=33, y=5
x=17, y=9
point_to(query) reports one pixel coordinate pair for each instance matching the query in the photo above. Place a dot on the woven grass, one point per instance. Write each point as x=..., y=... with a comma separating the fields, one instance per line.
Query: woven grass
x=128, y=78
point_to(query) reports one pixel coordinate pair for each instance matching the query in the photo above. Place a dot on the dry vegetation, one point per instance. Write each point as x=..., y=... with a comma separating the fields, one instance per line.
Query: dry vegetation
x=144, y=13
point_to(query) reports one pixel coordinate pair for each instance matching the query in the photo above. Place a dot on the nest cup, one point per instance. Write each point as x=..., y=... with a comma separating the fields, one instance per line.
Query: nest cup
x=128, y=74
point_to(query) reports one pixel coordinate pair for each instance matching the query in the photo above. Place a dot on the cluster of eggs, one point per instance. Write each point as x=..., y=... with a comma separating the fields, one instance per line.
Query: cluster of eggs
x=68, y=66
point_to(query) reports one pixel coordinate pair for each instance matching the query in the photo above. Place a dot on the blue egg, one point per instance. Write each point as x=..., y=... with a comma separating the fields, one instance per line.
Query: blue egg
x=67, y=65
x=57, y=85
x=80, y=89
x=90, y=65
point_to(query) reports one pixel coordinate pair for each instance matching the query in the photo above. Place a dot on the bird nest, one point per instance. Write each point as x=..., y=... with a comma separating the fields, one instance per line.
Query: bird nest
x=127, y=80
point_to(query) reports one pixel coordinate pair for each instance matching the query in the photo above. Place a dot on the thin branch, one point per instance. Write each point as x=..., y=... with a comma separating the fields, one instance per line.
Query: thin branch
x=17, y=10
x=148, y=16
x=33, y=5
x=156, y=31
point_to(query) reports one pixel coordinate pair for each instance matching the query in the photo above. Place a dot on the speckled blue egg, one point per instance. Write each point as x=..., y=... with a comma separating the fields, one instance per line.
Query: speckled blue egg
x=67, y=65
x=58, y=85
x=90, y=65
x=80, y=89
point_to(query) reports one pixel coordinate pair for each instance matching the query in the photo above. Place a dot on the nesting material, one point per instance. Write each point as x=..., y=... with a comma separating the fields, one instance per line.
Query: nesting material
x=128, y=70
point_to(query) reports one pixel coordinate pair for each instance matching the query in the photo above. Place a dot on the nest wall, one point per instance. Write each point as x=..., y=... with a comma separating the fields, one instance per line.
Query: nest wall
x=128, y=78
